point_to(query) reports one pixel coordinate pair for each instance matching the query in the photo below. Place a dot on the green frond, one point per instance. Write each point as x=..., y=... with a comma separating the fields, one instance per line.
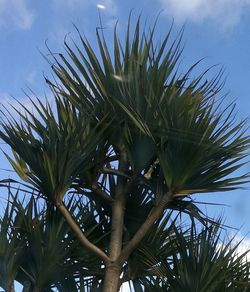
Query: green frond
x=51, y=146
x=38, y=249
x=180, y=258
x=198, y=143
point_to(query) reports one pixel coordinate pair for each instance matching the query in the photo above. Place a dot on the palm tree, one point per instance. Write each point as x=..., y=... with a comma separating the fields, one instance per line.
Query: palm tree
x=131, y=135
x=190, y=259
x=40, y=251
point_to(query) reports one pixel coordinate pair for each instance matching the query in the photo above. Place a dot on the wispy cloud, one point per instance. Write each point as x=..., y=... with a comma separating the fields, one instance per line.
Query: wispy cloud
x=225, y=13
x=244, y=244
x=15, y=14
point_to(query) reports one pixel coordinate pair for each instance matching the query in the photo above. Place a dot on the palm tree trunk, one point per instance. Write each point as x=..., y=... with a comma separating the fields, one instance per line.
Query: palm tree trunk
x=114, y=267
x=36, y=289
x=11, y=287
x=112, y=279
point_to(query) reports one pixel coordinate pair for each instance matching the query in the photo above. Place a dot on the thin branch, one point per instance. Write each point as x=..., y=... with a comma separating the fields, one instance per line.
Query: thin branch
x=154, y=215
x=102, y=194
x=110, y=159
x=114, y=171
x=83, y=239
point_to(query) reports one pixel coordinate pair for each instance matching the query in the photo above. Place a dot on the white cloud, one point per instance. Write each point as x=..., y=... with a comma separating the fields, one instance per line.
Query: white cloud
x=225, y=13
x=15, y=14
x=244, y=244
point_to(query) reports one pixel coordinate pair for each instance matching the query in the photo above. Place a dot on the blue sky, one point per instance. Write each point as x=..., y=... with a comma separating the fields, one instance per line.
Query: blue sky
x=215, y=29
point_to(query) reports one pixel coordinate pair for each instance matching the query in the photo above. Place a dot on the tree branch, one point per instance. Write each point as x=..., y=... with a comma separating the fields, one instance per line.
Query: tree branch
x=79, y=233
x=114, y=171
x=154, y=215
x=102, y=194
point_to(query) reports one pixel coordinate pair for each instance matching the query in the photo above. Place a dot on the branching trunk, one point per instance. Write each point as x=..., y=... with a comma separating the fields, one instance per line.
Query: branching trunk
x=113, y=270
x=117, y=256
x=154, y=215
x=112, y=278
